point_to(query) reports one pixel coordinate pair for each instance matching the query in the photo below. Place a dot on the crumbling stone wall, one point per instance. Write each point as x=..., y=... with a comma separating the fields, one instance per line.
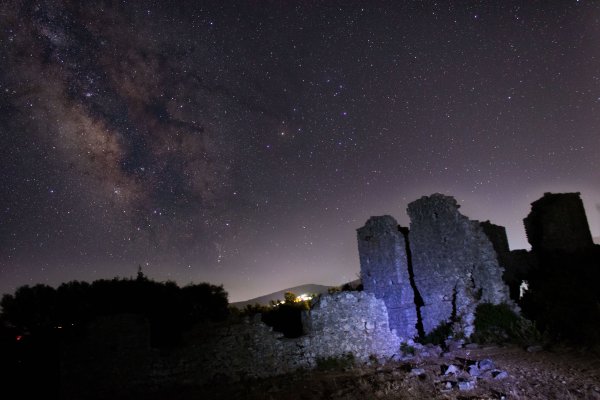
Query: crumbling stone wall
x=385, y=271
x=557, y=221
x=497, y=235
x=338, y=324
x=454, y=263
x=231, y=351
x=437, y=272
x=349, y=322
x=562, y=269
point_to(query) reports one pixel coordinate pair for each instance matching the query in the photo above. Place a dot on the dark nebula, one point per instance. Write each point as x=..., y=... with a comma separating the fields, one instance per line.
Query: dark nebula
x=243, y=142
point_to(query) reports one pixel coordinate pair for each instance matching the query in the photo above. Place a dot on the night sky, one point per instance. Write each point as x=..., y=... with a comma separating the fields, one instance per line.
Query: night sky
x=244, y=142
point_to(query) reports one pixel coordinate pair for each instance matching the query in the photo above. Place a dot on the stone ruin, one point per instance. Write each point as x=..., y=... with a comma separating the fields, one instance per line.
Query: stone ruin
x=414, y=280
x=435, y=273
x=558, y=232
x=558, y=280
x=557, y=221
x=339, y=324
x=385, y=271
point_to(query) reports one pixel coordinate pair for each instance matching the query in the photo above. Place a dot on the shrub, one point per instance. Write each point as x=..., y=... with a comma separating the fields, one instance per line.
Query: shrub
x=498, y=323
x=439, y=335
x=334, y=290
x=407, y=349
x=285, y=318
x=169, y=308
x=252, y=309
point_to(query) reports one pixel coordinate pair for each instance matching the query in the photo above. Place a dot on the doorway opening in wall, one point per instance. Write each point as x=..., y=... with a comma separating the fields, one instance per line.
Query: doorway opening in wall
x=523, y=288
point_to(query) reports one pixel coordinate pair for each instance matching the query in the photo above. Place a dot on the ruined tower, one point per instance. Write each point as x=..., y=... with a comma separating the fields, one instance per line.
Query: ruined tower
x=498, y=237
x=454, y=262
x=382, y=248
x=557, y=221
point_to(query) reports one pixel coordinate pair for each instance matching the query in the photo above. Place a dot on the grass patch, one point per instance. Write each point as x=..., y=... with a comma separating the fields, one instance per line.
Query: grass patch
x=343, y=362
x=406, y=349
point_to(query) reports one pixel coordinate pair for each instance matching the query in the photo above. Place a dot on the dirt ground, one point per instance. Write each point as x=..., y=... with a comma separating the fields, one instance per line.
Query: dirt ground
x=556, y=374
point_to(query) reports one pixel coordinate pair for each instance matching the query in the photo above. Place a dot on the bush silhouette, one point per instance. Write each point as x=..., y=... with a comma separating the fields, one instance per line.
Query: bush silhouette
x=286, y=316
x=169, y=308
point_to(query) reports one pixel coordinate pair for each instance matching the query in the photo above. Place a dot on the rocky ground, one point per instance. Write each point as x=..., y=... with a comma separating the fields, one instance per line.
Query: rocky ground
x=492, y=372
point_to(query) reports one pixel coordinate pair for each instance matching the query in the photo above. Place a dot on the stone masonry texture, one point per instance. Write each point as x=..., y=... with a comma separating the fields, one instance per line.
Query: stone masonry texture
x=338, y=324
x=455, y=264
x=385, y=273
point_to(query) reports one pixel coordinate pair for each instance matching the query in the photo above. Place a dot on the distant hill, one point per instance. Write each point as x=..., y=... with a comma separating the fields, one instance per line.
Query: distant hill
x=298, y=290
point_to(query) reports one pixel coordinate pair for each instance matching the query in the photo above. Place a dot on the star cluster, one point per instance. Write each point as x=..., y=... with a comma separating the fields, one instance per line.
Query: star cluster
x=244, y=142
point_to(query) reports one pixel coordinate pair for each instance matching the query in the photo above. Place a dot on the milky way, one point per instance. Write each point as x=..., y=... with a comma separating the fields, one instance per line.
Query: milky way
x=244, y=142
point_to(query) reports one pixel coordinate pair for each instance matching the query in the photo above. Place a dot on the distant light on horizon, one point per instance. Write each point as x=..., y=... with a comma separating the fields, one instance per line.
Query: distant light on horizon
x=303, y=297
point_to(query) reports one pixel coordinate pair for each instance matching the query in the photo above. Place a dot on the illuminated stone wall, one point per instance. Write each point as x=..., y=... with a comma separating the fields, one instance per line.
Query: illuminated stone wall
x=382, y=248
x=436, y=273
x=339, y=324
x=349, y=322
x=454, y=262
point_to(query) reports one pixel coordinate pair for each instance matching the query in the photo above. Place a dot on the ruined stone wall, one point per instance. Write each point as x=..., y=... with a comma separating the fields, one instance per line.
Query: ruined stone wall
x=563, y=272
x=557, y=221
x=342, y=323
x=355, y=322
x=385, y=271
x=455, y=265
x=497, y=235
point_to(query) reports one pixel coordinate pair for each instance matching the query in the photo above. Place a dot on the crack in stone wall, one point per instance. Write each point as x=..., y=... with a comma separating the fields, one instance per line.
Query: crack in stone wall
x=411, y=275
x=452, y=257
x=452, y=268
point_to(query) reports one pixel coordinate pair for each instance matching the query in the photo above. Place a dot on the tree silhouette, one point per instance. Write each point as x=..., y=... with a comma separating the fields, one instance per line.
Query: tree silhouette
x=168, y=308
